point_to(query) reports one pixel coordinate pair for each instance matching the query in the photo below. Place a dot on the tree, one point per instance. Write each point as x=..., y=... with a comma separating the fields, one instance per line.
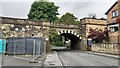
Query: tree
x=55, y=39
x=69, y=18
x=98, y=35
x=41, y=10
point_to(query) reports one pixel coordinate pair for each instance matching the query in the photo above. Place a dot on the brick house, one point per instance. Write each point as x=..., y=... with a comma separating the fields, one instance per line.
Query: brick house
x=113, y=20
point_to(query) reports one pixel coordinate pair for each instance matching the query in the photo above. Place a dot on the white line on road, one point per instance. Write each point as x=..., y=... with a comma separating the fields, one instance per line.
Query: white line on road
x=59, y=60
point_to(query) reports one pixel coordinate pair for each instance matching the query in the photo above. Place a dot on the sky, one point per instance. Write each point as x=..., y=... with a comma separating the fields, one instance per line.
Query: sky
x=80, y=8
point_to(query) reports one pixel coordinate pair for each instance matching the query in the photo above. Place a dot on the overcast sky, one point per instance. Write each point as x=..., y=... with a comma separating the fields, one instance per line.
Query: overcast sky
x=80, y=8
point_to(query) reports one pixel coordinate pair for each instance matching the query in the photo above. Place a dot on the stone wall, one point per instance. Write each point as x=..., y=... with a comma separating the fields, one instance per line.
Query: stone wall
x=88, y=26
x=31, y=28
x=12, y=30
x=64, y=26
x=106, y=48
x=14, y=27
x=92, y=23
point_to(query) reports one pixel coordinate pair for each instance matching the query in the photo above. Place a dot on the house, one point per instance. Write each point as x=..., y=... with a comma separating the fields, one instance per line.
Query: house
x=113, y=20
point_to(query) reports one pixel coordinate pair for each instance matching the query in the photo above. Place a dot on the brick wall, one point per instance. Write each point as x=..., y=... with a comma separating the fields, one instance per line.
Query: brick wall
x=109, y=16
x=113, y=37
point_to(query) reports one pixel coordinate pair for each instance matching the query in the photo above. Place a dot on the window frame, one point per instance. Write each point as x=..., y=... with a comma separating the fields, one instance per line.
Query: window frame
x=114, y=29
x=114, y=13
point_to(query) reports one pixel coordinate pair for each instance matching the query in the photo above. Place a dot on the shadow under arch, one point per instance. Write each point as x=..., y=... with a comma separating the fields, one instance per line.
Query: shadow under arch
x=75, y=40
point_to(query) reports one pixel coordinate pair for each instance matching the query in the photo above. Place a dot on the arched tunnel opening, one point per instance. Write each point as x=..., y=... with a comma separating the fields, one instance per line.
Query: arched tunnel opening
x=74, y=41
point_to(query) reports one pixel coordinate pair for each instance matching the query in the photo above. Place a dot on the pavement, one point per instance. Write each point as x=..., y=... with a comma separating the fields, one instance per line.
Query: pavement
x=52, y=59
x=13, y=61
x=0, y=60
x=103, y=54
x=20, y=62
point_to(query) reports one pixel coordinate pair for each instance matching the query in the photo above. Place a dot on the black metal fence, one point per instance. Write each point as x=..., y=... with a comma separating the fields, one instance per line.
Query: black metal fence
x=22, y=46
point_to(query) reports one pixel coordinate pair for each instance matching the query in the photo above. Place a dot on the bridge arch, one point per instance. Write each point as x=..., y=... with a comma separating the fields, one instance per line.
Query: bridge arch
x=74, y=37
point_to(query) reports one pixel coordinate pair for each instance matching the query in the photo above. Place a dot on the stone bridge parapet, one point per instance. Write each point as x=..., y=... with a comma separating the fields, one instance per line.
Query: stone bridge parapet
x=31, y=28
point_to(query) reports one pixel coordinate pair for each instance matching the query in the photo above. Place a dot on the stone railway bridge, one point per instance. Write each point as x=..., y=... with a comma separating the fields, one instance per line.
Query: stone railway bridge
x=14, y=27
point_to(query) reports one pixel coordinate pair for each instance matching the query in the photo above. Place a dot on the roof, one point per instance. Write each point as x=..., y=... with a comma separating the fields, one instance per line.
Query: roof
x=111, y=7
x=112, y=23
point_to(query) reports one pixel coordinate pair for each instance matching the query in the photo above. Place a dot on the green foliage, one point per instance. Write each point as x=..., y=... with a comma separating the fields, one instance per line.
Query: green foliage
x=55, y=39
x=69, y=18
x=40, y=10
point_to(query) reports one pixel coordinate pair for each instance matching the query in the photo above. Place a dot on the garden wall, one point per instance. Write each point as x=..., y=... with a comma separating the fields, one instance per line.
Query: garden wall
x=112, y=48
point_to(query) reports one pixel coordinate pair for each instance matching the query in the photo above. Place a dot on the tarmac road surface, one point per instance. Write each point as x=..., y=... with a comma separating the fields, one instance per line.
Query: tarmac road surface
x=73, y=58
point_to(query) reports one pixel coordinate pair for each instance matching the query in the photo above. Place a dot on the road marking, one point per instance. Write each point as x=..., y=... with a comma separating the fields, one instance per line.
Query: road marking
x=59, y=60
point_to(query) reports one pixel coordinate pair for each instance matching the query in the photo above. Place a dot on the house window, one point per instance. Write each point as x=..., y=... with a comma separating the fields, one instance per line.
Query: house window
x=114, y=28
x=114, y=13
